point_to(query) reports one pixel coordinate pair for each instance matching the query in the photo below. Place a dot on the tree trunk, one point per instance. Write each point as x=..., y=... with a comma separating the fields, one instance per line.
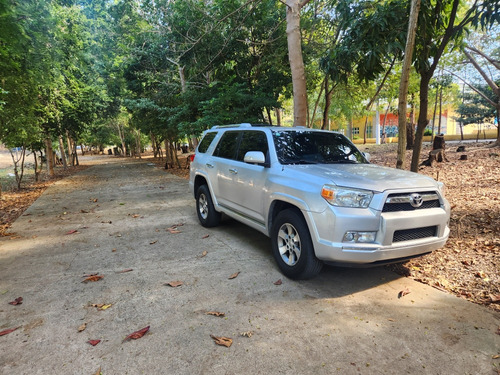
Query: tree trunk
x=49, y=153
x=63, y=153
x=434, y=115
x=18, y=165
x=268, y=111
x=422, y=119
x=294, y=40
x=403, y=87
x=278, y=116
x=440, y=108
x=328, y=102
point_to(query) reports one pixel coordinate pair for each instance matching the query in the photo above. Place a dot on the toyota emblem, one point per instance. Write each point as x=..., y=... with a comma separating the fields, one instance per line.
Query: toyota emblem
x=416, y=200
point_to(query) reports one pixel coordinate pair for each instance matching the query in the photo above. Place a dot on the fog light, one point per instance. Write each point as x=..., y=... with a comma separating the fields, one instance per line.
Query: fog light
x=363, y=237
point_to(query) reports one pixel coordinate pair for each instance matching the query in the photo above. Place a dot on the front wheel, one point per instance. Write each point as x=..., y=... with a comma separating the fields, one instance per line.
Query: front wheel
x=205, y=209
x=292, y=246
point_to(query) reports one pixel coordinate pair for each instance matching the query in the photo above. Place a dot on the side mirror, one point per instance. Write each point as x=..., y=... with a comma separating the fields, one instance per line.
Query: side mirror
x=255, y=157
x=367, y=156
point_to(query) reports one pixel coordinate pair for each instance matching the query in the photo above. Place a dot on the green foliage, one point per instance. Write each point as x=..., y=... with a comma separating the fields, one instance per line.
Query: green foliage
x=475, y=109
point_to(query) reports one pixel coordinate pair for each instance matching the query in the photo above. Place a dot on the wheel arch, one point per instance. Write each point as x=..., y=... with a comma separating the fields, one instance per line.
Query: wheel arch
x=198, y=181
x=278, y=206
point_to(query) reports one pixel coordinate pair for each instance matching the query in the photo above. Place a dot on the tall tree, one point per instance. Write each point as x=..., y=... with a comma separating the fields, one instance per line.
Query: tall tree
x=441, y=22
x=299, y=81
x=405, y=79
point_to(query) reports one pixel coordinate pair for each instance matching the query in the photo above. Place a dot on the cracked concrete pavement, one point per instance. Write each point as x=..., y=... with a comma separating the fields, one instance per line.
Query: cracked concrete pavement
x=345, y=321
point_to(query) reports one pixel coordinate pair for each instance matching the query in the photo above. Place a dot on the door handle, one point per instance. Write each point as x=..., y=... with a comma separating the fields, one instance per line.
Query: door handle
x=233, y=171
x=209, y=165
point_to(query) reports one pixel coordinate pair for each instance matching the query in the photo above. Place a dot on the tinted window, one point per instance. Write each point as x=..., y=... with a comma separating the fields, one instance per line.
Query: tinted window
x=252, y=141
x=226, y=148
x=312, y=147
x=206, y=141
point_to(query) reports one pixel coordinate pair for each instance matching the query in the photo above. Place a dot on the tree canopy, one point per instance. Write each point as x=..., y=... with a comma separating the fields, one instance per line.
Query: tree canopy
x=100, y=72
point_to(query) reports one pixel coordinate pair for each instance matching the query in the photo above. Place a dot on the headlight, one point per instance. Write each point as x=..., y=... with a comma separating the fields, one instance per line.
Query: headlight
x=346, y=197
x=441, y=187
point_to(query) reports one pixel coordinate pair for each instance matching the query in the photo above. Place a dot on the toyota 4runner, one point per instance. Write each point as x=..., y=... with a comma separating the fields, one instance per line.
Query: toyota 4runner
x=316, y=196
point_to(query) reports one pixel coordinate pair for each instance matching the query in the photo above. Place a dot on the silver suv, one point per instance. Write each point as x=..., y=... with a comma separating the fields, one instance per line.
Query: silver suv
x=316, y=196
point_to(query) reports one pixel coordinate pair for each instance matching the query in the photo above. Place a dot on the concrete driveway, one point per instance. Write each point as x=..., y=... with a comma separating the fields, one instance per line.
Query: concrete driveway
x=127, y=215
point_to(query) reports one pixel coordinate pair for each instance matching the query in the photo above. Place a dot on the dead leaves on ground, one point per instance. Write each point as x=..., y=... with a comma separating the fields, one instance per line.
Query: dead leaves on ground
x=92, y=278
x=137, y=334
x=17, y=301
x=7, y=331
x=173, y=229
x=216, y=313
x=404, y=292
x=234, y=275
x=101, y=306
x=222, y=341
x=174, y=284
x=94, y=342
x=125, y=271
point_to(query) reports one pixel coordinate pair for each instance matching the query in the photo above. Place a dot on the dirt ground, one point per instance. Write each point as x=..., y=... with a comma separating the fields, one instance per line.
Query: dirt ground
x=468, y=266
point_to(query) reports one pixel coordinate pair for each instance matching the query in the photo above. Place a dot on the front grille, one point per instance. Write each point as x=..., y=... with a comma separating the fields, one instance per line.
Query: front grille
x=414, y=234
x=403, y=202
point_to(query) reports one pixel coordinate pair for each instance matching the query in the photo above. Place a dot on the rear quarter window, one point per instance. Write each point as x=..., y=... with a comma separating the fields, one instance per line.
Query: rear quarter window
x=206, y=141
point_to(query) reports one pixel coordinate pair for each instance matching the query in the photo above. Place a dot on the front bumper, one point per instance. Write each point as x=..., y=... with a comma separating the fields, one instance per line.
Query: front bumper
x=333, y=223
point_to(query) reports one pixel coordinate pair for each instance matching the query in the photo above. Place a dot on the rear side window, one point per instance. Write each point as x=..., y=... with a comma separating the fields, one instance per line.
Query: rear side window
x=252, y=141
x=206, y=141
x=228, y=144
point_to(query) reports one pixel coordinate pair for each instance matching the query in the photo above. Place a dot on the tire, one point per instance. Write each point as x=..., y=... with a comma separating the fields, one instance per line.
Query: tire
x=292, y=246
x=205, y=209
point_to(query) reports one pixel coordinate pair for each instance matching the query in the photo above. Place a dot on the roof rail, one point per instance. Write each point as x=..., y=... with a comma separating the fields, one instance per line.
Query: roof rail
x=242, y=125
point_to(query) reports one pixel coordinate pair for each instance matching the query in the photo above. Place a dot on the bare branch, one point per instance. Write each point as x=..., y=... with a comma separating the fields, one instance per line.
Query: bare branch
x=472, y=87
x=495, y=63
x=488, y=80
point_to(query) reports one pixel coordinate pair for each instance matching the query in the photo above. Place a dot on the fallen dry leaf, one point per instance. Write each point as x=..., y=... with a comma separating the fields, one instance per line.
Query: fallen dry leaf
x=127, y=270
x=94, y=342
x=175, y=284
x=93, y=278
x=216, y=313
x=495, y=299
x=203, y=254
x=73, y=231
x=153, y=242
x=7, y=331
x=278, y=282
x=82, y=327
x=496, y=356
x=17, y=301
x=137, y=334
x=205, y=236
x=222, y=341
x=99, y=372
x=135, y=216
x=247, y=334
x=234, y=275
x=173, y=230
x=403, y=293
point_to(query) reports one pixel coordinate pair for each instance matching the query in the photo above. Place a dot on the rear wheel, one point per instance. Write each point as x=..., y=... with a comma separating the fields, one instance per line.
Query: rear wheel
x=207, y=214
x=292, y=246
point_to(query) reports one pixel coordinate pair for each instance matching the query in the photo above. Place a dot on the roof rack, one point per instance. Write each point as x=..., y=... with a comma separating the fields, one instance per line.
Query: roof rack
x=242, y=125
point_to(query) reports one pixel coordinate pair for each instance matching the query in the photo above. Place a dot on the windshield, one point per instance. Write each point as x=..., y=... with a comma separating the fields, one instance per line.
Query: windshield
x=315, y=147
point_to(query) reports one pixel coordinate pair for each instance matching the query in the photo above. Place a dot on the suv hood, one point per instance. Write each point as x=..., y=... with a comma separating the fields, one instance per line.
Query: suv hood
x=364, y=176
